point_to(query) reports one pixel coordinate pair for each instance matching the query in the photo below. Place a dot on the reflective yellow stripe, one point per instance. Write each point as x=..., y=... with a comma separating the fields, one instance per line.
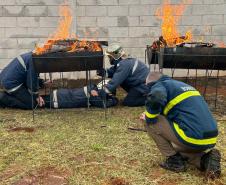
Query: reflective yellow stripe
x=151, y=115
x=179, y=99
x=192, y=140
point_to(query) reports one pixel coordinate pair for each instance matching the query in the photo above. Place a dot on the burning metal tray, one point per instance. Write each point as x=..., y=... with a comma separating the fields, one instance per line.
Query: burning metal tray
x=190, y=58
x=68, y=61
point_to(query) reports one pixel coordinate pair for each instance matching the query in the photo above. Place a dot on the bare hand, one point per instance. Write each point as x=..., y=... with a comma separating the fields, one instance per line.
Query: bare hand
x=40, y=101
x=142, y=116
x=94, y=93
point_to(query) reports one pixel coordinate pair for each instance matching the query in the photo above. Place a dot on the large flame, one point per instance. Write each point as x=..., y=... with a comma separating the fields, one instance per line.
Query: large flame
x=63, y=33
x=170, y=16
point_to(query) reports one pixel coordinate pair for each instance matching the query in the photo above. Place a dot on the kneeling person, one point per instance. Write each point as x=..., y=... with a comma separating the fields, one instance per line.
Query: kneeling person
x=181, y=124
x=19, y=84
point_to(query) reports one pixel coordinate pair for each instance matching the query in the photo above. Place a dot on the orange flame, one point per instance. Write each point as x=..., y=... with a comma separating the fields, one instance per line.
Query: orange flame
x=64, y=26
x=170, y=16
x=63, y=32
x=221, y=44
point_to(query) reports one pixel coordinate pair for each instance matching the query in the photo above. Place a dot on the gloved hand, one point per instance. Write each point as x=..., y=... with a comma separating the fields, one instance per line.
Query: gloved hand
x=101, y=72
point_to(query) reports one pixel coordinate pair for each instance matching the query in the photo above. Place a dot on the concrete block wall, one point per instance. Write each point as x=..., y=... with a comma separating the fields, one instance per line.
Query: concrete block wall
x=131, y=22
x=134, y=24
x=23, y=23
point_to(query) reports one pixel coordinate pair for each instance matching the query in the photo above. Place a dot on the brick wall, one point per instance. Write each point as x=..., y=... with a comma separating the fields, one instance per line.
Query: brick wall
x=131, y=22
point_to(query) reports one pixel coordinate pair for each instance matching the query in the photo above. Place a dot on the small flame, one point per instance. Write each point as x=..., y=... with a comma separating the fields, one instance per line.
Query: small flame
x=63, y=32
x=170, y=16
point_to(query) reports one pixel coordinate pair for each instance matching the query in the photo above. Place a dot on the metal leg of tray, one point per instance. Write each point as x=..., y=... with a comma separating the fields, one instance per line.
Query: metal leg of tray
x=32, y=98
x=51, y=92
x=105, y=98
x=216, y=93
x=87, y=85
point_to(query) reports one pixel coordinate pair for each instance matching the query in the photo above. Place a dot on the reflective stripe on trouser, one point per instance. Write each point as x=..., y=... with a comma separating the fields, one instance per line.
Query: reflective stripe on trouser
x=2, y=89
x=168, y=144
x=55, y=100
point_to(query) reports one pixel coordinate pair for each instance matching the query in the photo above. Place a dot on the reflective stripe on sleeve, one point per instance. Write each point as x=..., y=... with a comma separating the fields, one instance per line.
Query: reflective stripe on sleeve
x=21, y=60
x=151, y=116
x=135, y=66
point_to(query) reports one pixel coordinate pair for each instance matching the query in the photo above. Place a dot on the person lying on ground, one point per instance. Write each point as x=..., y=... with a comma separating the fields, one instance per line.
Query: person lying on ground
x=179, y=121
x=80, y=97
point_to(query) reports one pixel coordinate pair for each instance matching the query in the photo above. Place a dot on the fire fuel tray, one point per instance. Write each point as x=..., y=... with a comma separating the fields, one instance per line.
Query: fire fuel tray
x=189, y=58
x=68, y=61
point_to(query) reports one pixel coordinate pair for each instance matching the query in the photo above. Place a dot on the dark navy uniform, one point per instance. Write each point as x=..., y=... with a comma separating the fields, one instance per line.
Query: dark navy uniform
x=78, y=98
x=186, y=110
x=19, y=82
x=130, y=74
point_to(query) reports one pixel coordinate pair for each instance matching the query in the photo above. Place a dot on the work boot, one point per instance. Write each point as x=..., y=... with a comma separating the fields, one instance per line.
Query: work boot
x=175, y=163
x=210, y=163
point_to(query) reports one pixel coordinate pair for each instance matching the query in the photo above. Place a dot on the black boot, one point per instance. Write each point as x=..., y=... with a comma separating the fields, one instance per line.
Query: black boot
x=175, y=163
x=210, y=163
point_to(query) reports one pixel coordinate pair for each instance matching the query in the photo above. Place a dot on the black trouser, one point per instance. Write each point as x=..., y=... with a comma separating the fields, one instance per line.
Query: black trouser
x=134, y=98
x=20, y=98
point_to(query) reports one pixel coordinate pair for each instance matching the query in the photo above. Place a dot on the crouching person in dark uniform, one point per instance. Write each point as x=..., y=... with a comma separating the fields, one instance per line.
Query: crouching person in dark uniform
x=19, y=84
x=78, y=98
x=129, y=73
x=181, y=124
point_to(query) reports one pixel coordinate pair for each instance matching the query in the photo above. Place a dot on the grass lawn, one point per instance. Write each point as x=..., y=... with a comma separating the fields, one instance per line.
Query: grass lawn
x=80, y=147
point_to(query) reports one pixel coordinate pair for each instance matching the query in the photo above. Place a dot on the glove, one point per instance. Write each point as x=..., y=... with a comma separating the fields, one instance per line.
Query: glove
x=101, y=72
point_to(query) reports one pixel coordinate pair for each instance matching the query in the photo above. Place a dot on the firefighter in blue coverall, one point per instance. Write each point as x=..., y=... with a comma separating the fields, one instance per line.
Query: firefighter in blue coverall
x=181, y=124
x=77, y=98
x=19, y=84
x=129, y=73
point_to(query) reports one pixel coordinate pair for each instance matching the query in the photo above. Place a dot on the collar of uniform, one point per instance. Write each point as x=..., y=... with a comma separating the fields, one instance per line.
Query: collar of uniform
x=163, y=78
x=116, y=62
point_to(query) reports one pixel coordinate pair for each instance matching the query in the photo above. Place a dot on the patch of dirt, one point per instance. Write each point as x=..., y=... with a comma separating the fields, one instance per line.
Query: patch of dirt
x=109, y=158
x=81, y=159
x=157, y=173
x=215, y=182
x=160, y=177
x=132, y=162
x=116, y=181
x=25, y=129
x=17, y=129
x=11, y=171
x=169, y=181
x=45, y=176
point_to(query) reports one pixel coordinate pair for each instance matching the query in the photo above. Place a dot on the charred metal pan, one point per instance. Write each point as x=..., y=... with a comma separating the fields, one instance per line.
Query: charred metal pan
x=68, y=61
